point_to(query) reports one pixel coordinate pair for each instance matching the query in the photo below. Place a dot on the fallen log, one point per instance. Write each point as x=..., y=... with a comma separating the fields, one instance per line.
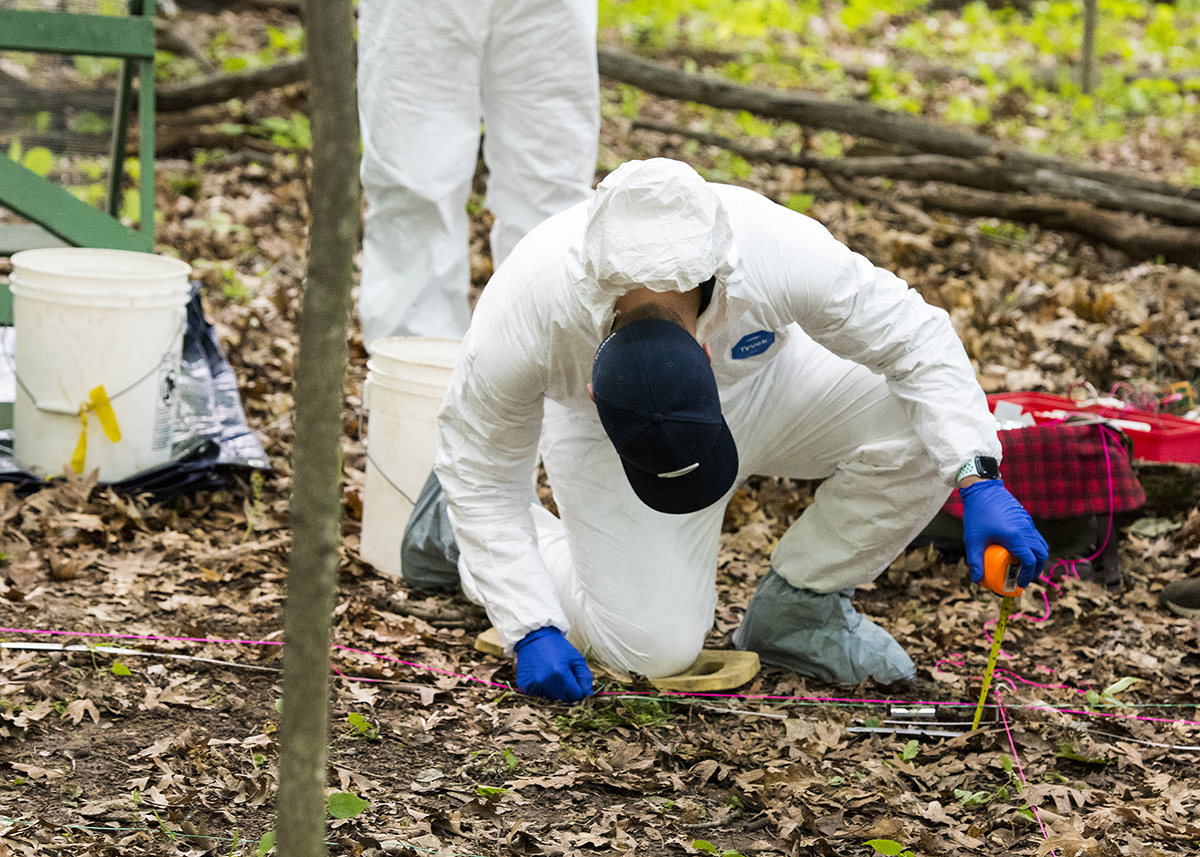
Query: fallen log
x=1132, y=234
x=986, y=190
x=855, y=118
x=212, y=89
x=982, y=173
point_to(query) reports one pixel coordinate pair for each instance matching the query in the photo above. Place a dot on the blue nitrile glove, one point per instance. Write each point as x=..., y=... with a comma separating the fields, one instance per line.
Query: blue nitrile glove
x=991, y=515
x=549, y=666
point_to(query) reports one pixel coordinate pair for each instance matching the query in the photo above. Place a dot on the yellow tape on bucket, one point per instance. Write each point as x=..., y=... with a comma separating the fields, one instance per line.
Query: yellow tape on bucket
x=97, y=402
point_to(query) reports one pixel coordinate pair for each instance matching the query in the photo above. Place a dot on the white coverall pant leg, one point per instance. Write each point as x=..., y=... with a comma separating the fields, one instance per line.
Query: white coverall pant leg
x=639, y=586
x=541, y=113
x=428, y=72
x=812, y=415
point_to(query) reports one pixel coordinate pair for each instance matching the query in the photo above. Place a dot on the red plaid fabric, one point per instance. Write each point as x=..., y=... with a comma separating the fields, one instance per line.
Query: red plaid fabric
x=1060, y=471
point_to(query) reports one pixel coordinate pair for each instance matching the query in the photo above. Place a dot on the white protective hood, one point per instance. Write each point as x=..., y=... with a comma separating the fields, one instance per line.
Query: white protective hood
x=657, y=224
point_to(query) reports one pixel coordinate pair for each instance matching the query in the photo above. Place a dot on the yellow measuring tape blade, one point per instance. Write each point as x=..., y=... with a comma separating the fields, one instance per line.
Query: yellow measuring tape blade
x=1005, y=608
x=98, y=403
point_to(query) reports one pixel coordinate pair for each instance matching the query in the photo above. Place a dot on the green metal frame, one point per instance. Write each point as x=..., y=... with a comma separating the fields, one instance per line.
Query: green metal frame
x=41, y=201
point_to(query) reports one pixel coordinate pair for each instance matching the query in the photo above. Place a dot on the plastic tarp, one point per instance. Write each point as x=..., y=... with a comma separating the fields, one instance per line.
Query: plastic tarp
x=211, y=439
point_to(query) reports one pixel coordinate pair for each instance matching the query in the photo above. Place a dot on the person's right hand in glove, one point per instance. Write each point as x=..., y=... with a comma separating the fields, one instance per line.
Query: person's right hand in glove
x=549, y=666
x=991, y=515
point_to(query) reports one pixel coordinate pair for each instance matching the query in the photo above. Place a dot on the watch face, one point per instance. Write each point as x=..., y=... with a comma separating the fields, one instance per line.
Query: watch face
x=987, y=467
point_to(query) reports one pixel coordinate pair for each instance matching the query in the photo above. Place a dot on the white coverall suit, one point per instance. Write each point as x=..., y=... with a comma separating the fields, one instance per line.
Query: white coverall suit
x=828, y=368
x=427, y=73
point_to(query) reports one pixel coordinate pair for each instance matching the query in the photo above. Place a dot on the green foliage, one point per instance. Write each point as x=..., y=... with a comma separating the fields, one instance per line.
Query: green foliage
x=1007, y=231
x=290, y=133
x=1066, y=750
x=910, y=751
x=346, y=805
x=1107, y=698
x=800, y=202
x=707, y=23
x=224, y=275
x=889, y=847
x=281, y=45
x=119, y=668
x=705, y=845
x=38, y=160
x=969, y=798
x=606, y=715
x=361, y=727
x=265, y=844
x=963, y=110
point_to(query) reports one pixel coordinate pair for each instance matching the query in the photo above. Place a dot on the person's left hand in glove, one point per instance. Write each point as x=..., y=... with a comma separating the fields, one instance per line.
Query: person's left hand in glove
x=992, y=515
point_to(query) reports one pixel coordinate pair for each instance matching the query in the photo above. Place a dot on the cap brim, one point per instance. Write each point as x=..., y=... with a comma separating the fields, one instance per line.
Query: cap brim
x=681, y=495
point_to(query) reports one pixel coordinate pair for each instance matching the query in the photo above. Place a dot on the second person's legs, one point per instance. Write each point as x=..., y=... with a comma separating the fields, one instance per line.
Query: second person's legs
x=419, y=108
x=541, y=107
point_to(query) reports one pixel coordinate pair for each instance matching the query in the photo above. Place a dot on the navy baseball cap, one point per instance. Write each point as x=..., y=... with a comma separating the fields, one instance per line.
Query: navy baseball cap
x=657, y=399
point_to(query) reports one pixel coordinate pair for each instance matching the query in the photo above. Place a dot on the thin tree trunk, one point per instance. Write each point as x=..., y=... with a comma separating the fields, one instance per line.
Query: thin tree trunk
x=318, y=395
x=1087, y=51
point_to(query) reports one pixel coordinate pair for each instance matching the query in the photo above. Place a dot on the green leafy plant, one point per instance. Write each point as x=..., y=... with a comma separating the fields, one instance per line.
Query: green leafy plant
x=635, y=711
x=1107, y=698
x=265, y=844
x=361, y=727
x=889, y=847
x=969, y=798
x=909, y=752
x=705, y=845
x=292, y=132
x=346, y=805
x=1066, y=750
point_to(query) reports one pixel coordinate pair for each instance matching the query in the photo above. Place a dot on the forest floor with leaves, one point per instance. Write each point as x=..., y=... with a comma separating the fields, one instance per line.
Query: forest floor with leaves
x=139, y=679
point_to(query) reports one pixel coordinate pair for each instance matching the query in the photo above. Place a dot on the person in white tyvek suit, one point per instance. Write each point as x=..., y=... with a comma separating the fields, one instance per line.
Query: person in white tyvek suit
x=428, y=72
x=592, y=345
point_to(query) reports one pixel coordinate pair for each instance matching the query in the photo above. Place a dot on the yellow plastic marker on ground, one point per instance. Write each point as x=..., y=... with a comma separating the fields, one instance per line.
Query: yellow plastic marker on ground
x=1000, y=570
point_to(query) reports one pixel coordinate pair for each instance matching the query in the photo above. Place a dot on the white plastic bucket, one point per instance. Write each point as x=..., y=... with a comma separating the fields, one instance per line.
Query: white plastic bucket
x=407, y=377
x=87, y=318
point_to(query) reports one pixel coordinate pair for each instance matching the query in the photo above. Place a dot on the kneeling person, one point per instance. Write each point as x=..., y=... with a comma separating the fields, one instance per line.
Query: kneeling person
x=656, y=346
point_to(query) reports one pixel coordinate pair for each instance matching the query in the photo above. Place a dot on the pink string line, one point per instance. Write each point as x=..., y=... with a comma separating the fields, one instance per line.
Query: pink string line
x=152, y=637
x=822, y=700
x=1017, y=760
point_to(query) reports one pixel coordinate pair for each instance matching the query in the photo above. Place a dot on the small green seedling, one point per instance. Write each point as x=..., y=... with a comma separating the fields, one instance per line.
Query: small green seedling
x=704, y=845
x=969, y=798
x=910, y=751
x=1107, y=698
x=361, y=727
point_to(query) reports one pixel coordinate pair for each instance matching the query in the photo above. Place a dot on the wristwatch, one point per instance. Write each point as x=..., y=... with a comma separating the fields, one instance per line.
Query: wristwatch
x=983, y=466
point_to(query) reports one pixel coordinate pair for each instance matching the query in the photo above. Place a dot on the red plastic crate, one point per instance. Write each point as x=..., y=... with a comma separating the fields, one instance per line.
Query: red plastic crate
x=1156, y=437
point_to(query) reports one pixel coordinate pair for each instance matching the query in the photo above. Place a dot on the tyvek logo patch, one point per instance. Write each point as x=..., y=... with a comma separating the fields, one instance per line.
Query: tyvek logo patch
x=752, y=344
